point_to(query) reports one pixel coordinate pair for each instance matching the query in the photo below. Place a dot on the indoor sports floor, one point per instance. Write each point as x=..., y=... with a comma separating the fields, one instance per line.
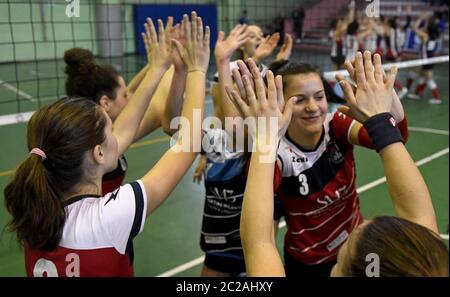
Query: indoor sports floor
x=169, y=244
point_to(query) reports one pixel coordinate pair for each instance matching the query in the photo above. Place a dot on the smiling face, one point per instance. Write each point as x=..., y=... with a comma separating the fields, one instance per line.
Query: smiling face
x=311, y=108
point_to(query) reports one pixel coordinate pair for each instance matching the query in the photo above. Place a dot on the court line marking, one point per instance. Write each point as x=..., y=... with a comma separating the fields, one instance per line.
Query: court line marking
x=361, y=189
x=16, y=90
x=199, y=260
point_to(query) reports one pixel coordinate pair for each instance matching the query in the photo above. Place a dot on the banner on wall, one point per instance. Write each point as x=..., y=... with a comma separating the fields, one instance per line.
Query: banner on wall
x=208, y=12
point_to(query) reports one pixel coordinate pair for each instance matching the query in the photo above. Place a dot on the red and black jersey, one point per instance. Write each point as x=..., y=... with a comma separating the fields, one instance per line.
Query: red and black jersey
x=317, y=190
x=113, y=180
x=97, y=236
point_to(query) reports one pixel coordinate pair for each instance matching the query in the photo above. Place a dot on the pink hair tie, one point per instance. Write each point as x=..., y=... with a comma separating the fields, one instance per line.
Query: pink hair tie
x=39, y=152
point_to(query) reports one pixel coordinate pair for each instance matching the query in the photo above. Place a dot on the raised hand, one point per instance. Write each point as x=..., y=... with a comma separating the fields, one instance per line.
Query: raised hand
x=225, y=47
x=397, y=107
x=158, y=51
x=266, y=47
x=178, y=34
x=262, y=104
x=373, y=92
x=196, y=52
x=286, y=48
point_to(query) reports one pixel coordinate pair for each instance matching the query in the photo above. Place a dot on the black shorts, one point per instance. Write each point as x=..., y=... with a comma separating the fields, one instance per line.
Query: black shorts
x=428, y=67
x=295, y=268
x=225, y=262
x=338, y=60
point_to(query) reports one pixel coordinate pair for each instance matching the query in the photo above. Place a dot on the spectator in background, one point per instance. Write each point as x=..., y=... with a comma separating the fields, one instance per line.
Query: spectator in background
x=298, y=16
x=243, y=19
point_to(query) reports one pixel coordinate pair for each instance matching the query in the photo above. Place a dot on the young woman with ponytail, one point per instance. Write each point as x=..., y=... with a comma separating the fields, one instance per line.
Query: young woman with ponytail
x=66, y=225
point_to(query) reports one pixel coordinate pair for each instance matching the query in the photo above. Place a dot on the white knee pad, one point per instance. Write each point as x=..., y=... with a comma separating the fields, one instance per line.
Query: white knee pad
x=431, y=84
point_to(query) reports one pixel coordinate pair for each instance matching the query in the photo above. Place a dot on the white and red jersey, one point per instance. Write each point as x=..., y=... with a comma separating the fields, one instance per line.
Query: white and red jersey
x=317, y=190
x=337, y=45
x=352, y=46
x=97, y=236
x=395, y=43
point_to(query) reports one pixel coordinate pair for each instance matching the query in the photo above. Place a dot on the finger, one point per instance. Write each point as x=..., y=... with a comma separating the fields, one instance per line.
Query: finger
x=194, y=28
x=257, y=78
x=368, y=67
x=271, y=90
x=176, y=33
x=144, y=38
x=340, y=77
x=180, y=48
x=239, y=82
x=199, y=30
x=207, y=37
x=348, y=93
x=251, y=98
x=288, y=109
x=391, y=78
x=169, y=24
x=241, y=106
x=243, y=68
x=187, y=28
x=378, y=68
x=238, y=30
x=152, y=31
x=288, y=38
x=359, y=69
x=350, y=69
x=161, y=33
x=221, y=36
x=235, y=29
x=274, y=39
x=243, y=38
x=280, y=95
x=147, y=32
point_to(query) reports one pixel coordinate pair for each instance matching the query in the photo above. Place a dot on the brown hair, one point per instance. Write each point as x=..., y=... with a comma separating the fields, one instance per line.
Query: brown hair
x=65, y=131
x=86, y=78
x=404, y=249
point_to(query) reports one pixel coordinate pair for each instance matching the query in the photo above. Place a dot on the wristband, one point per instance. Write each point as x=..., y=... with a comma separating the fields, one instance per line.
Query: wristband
x=383, y=130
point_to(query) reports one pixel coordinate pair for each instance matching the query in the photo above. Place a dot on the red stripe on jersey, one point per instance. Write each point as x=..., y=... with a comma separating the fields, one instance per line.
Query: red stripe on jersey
x=316, y=222
x=109, y=186
x=66, y=262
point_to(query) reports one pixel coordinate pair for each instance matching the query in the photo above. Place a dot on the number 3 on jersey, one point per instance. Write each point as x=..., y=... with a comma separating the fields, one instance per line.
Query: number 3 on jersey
x=304, y=188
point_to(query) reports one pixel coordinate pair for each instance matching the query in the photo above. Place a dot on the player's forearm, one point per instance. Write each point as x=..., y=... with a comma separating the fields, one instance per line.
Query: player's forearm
x=128, y=121
x=227, y=107
x=174, y=102
x=193, y=108
x=137, y=79
x=407, y=187
x=258, y=204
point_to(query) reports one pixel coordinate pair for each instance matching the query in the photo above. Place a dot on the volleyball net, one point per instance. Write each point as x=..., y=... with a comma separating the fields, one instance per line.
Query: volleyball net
x=34, y=34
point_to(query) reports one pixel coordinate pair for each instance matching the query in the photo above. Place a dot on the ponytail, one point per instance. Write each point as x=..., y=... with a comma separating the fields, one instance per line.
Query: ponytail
x=35, y=204
x=64, y=132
